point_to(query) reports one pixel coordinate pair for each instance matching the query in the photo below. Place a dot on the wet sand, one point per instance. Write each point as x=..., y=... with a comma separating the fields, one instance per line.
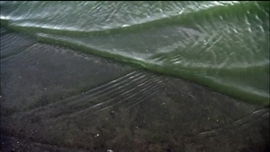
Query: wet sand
x=58, y=99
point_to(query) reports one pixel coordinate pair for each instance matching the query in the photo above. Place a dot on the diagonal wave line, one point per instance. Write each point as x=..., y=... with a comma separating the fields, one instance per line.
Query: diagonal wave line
x=112, y=89
x=79, y=95
x=138, y=99
x=107, y=90
x=153, y=92
x=124, y=92
x=87, y=109
x=148, y=87
x=133, y=77
x=240, y=123
x=98, y=105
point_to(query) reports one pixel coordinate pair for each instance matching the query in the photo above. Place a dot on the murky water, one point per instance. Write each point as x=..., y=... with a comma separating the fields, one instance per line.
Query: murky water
x=93, y=76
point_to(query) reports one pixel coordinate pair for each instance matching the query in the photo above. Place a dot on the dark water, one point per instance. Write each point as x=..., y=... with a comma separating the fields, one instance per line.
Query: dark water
x=222, y=45
x=94, y=76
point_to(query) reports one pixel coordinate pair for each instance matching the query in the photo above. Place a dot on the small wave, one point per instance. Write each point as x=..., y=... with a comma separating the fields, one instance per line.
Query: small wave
x=197, y=41
x=44, y=23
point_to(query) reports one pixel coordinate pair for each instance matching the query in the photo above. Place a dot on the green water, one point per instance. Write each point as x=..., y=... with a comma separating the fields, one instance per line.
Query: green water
x=221, y=45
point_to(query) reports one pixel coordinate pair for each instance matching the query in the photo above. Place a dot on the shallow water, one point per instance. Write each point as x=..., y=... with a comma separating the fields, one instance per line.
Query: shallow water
x=62, y=88
x=221, y=45
x=57, y=99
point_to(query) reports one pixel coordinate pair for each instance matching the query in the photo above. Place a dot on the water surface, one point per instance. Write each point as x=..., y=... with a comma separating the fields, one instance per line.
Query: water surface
x=221, y=45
